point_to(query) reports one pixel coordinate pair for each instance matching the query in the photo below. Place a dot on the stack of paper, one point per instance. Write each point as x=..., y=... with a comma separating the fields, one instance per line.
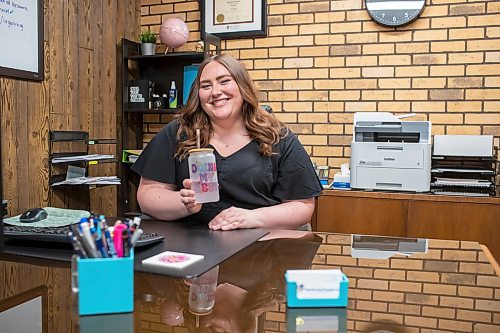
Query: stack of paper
x=106, y=180
x=92, y=157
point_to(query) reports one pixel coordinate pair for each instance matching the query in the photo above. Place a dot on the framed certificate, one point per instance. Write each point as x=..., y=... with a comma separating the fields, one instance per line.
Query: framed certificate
x=228, y=19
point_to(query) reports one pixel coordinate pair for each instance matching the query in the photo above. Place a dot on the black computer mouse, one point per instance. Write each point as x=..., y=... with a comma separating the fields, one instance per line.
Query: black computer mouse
x=33, y=215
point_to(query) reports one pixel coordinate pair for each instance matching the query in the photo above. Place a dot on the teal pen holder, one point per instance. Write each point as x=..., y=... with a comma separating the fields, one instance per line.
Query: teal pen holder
x=104, y=285
x=293, y=301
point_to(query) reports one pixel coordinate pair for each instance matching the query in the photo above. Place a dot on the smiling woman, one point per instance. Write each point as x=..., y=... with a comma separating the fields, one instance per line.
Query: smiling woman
x=266, y=179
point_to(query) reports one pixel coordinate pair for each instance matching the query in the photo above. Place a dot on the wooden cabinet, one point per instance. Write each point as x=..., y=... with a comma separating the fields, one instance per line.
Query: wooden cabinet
x=411, y=215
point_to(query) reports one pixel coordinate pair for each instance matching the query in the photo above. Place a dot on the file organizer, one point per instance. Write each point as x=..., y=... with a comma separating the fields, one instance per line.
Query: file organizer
x=316, y=288
x=104, y=285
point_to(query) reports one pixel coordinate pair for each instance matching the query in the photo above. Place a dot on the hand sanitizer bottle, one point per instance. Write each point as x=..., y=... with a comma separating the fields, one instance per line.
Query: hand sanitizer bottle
x=172, y=96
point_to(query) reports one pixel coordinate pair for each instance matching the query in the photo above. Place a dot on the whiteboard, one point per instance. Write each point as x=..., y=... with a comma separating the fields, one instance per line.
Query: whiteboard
x=21, y=38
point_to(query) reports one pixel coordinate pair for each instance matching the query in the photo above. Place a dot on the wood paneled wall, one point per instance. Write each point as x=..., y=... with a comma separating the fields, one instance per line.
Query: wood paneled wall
x=82, y=59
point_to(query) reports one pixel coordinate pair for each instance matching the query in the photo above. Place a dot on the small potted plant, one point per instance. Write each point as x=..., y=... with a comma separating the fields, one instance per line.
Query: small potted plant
x=148, y=42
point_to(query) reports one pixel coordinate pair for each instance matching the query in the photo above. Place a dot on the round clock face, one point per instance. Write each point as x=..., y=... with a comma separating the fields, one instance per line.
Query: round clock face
x=394, y=13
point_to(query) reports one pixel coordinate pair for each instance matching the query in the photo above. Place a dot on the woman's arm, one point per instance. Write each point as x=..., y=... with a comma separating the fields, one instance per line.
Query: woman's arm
x=287, y=215
x=163, y=201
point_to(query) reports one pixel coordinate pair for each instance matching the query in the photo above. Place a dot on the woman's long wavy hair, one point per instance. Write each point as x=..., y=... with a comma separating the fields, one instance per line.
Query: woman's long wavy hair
x=262, y=126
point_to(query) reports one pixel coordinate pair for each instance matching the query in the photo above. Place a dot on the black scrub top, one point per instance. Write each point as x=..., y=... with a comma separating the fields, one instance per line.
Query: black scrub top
x=246, y=178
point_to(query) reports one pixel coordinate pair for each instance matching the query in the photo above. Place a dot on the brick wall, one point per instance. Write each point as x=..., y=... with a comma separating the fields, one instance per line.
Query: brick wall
x=324, y=60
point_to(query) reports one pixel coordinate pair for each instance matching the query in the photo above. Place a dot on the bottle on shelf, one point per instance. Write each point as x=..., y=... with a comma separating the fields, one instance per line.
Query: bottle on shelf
x=172, y=96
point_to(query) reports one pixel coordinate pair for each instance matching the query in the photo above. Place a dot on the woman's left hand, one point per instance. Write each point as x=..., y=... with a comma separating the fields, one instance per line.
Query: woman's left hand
x=235, y=218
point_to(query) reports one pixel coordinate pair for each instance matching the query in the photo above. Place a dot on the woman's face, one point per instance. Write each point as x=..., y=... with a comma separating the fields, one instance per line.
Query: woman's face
x=220, y=96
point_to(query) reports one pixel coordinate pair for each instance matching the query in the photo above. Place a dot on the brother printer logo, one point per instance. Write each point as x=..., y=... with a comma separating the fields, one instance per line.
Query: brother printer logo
x=389, y=159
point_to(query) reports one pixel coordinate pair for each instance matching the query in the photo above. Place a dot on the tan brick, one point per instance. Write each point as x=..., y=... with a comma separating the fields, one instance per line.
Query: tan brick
x=308, y=29
x=446, y=119
x=457, y=302
x=462, y=279
x=428, y=59
x=492, y=57
x=287, y=118
x=255, y=54
x=422, y=47
x=492, y=69
x=475, y=267
x=422, y=276
x=476, y=292
x=404, y=309
x=405, y=286
x=314, y=51
x=311, y=139
x=388, y=296
x=373, y=262
x=378, y=72
x=465, y=82
x=492, y=32
x=371, y=306
x=468, y=33
x=411, y=95
x=421, y=321
x=161, y=9
x=313, y=73
x=483, y=20
x=456, y=326
x=302, y=62
x=360, y=84
x=313, y=95
x=483, y=45
x=298, y=40
x=373, y=284
x=412, y=71
x=452, y=46
x=297, y=85
x=491, y=106
x=440, y=312
x=393, y=83
x=488, y=281
x=428, y=106
x=361, y=61
x=449, y=70
x=460, y=255
x=492, y=82
x=378, y=49
x=394, y=60
x=385, y=317
x=299, y=19
x=394, y=106
x=344, y=72
x=488, y=305
x=352, y=95
x=446, y=94
x=315, y=7
x=428, y=83
x=389, y=274
x=397, y=36
x=150, y=20
x=484, y=94
x=430, y=35
x=440, y=289
x=283, y=74
x=448, y=22
x=330, y=106
x=283, y=52
x=343, y=50
x=358, y=293
x=341, y=260
x=282, y=95
x=283, y=9
x=370, y=95
x=269, y=85
x=465, y=58
x=478, y=316
x=441, y=266
x=329, y=84
x=436, y=10
x=362, y=38
x=422, y=299
x=283, y=30
x=268, y=42
x=360, y=107
x=258, y=75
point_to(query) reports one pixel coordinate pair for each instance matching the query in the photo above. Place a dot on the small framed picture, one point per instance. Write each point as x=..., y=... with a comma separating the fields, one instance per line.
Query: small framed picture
x=230, y=19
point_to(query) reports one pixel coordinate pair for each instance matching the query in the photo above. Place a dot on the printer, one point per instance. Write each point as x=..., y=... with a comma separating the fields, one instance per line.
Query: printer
x=390, y=154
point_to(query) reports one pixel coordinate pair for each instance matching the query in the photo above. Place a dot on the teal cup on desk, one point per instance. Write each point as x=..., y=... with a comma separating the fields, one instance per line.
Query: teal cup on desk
x=104, y=285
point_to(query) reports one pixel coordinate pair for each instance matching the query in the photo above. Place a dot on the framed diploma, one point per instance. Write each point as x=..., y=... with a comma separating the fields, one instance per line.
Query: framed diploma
x=228, y=19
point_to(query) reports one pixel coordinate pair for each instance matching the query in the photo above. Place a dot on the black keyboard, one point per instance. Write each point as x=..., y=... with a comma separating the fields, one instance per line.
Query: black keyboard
x=60, y=235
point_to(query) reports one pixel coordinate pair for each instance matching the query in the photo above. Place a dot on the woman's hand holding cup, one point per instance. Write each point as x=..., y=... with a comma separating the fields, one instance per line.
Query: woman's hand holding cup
x=188, y=198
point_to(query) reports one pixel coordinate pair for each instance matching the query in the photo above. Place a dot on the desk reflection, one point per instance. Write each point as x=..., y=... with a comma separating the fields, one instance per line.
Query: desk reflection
x=247, y=285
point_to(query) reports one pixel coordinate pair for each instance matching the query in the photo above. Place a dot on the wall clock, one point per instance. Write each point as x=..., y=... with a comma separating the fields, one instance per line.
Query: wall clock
x=394, y=13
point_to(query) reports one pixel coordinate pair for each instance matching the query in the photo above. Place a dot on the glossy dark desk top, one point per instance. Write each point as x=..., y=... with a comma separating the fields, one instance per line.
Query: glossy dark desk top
x=452, y=288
